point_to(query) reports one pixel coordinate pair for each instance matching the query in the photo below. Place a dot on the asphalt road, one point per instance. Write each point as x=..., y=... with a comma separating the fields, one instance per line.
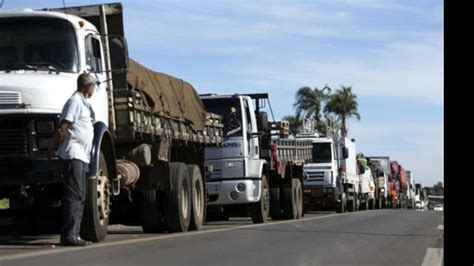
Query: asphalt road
x=381, y=237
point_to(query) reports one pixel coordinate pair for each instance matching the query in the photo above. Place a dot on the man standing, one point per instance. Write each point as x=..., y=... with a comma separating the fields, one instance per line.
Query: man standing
x=73, y=142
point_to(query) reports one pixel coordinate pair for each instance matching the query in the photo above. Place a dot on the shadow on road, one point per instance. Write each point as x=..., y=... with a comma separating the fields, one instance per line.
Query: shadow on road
x=337, y=232
x=22, y=241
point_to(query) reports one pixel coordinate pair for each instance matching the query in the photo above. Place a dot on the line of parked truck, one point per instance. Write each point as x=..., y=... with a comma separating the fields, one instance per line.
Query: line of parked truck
x=340, y=179
x=164, y=157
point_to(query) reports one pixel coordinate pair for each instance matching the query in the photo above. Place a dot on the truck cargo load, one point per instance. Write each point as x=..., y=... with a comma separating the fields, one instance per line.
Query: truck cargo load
x=170, y=95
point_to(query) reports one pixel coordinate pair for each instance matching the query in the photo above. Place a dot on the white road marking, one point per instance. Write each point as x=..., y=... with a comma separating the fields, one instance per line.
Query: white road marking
x=440, y=227
x=434, y=256
x=159, y=237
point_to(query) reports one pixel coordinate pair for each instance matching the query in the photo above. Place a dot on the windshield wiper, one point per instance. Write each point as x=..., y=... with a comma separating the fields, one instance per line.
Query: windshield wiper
x=48, y=66
x=11, y=67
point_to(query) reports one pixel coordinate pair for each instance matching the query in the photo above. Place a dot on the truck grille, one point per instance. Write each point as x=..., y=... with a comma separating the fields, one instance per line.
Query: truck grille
x=316, y=176
x=13, y=139
x=8, y=98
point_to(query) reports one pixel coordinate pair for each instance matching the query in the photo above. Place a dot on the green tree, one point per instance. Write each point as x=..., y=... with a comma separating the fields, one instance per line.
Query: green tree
x=295, y=124
x=343, y=103
x=309, y=102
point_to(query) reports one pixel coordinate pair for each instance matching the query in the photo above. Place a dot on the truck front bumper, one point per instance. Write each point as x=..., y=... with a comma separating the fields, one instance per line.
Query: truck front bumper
x=228, y=192
x=319, y=196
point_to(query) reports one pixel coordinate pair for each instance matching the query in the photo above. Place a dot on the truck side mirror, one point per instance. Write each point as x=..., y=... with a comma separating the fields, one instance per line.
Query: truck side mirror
x=345, y=153
x=119, y=53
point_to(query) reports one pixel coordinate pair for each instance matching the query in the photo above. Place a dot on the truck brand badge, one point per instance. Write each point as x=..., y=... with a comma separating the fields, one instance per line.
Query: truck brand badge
x=231, y=145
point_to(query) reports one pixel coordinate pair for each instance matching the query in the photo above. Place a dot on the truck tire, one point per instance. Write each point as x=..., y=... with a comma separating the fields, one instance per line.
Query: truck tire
x=352, y=204
x=365, y=206
x=151, y=217
x=197, y=196
x=275, y=204
x=97, y=204
x=341, y=206
x=261, y=209
x=177, y=201
x=371, y=204
x=299, y=194
x=290, y=204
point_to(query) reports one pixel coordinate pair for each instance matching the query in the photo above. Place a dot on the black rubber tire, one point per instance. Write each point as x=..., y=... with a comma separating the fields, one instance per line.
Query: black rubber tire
x=352, y=204
x=275, y=204
x=94, y=227
x=177, y=201
x=299, y=197
x=197, y=197
x=290, y=204
x=341, y=206
x=151, y=217
x=366, y=203
x=259, y=211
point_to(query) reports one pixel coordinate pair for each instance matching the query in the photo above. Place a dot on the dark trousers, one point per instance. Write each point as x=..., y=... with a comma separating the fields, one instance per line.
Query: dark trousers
x=74, y=185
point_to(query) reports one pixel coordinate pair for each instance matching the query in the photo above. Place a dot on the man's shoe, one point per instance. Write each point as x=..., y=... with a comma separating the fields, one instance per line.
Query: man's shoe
x=75, y=242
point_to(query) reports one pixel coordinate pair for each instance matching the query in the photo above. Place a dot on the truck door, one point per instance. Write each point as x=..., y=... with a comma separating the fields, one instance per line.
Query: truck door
x=94, y=61
x=251, y=128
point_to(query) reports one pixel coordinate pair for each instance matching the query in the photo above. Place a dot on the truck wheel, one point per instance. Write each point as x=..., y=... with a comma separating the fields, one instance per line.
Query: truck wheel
x=177, y=203
x=290, y=204
x=299, y=194
x=260, y=210
x=151, y=217
x=197, y=196
x=341, y=206
x=352, y=205
x=365, y=206
x=371, y=204
x=275, y=204
x=97, y=204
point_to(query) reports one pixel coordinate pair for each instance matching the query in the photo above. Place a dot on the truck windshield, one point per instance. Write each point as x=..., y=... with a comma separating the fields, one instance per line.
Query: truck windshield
x=230, y=109
x=37, y=44
x=321, y=152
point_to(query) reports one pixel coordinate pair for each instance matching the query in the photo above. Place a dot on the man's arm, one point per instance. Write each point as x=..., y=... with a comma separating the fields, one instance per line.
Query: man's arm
x=58, y=137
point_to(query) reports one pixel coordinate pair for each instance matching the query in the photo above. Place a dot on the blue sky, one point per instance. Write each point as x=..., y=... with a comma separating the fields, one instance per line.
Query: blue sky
x=390, y=52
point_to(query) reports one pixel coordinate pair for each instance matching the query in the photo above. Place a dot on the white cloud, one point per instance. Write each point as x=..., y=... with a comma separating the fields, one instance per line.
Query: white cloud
x=405, y=70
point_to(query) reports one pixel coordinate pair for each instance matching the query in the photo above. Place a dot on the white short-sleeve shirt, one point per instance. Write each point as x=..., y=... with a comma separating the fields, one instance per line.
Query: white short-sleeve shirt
x=78, y=143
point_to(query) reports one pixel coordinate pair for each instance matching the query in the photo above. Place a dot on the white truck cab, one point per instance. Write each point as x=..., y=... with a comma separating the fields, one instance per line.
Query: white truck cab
x=41, y=55
x=237, y=167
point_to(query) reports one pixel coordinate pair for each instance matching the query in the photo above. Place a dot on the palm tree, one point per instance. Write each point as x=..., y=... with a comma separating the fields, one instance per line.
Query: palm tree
x=343, y=103
x=295, y=124
x=308, y=101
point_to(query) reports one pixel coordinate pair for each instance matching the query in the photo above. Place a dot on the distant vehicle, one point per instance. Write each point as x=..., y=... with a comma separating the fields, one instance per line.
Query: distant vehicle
x=418, y=205
x=438, y=207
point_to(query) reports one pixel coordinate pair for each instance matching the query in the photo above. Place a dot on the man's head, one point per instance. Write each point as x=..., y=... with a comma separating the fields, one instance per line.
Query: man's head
x=86, y=83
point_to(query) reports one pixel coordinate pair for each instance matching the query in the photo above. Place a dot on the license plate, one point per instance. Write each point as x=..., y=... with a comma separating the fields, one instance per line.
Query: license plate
x=4, y=204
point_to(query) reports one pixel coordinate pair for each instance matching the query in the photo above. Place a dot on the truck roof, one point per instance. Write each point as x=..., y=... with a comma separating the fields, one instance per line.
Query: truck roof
x=49, y=14
x=220, y=96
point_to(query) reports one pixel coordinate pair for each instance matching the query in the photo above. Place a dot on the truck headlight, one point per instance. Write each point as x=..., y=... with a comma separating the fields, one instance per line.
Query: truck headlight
x=45, y=127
